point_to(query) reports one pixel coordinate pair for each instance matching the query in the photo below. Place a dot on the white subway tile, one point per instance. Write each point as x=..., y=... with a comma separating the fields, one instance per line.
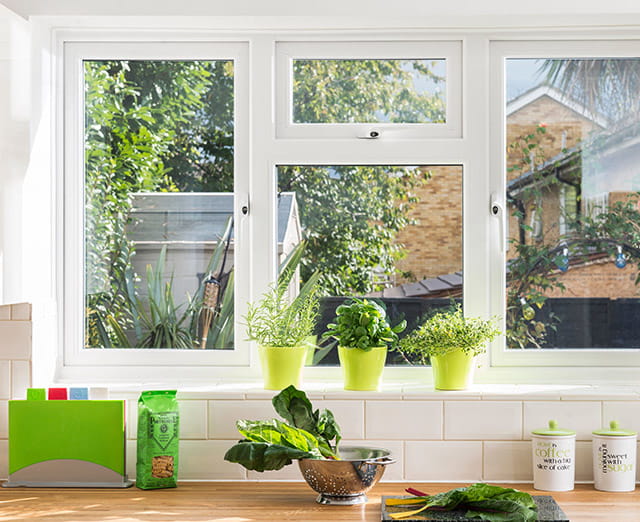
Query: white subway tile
x=5, y=379
x=21, y=312
x=627, y=413
x=5, y=312
x=15, y=340
x=484, y=420
x=4, y=459
x=288, y=473
x=403, y=420
x=4, y=419
x=204, y=460
x=224, y=414
x=393, y=472
x=193, y=419
x=20, y=379
x=580, y=416
x=443, y=461
x=348, y=414
x=584, y=462
x=508, y=461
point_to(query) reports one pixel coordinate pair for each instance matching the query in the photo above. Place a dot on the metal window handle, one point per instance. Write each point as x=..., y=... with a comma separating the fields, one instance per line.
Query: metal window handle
x=497, y=210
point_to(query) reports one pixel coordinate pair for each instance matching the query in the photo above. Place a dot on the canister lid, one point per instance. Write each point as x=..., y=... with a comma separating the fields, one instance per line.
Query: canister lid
x=553, y=430
x=615, y=431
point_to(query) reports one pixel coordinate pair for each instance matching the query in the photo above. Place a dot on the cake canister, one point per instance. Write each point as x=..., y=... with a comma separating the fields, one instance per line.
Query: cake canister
x=554, y=452
x=614, y=459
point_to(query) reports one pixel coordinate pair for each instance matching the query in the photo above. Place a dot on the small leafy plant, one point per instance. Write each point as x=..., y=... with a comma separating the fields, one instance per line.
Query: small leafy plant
x=273, y=444
x=362, y=323
x=446, y=332
x=480, y=501
x=276, y=320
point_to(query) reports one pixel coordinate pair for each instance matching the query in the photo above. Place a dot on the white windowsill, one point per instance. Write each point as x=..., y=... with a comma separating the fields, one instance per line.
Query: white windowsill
x=397, y=391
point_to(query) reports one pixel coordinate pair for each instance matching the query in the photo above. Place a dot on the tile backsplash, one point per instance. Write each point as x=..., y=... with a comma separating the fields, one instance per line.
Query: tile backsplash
x=480, y=434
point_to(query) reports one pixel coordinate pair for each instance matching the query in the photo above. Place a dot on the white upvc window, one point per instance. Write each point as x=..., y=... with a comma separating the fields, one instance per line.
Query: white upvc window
x=462, y=148
x=581, y=133
x=107, y=201
x=433, y=67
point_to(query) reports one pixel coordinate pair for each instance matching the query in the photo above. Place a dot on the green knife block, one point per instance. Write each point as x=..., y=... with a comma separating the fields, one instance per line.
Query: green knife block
x=67, y=444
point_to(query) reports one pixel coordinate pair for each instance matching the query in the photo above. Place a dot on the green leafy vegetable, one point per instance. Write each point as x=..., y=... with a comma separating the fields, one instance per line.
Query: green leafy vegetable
x=482, y=501
x=273, y=444
x=362, y=323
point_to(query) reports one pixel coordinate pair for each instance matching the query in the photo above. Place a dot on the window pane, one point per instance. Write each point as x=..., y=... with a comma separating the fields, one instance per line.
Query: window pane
x=159, y=204
x=572, y=188
x=369, y=91
x=386, y=232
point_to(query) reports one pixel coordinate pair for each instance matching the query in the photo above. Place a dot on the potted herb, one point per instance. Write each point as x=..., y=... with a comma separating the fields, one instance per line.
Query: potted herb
x=450, y=341
x=281, y=326
x=363, y=334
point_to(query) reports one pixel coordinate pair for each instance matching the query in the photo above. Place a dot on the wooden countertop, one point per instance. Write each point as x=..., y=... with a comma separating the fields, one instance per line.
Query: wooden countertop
x=272, y=501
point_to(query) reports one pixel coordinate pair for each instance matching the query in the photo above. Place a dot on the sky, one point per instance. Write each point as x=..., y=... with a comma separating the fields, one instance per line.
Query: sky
x=521, y=75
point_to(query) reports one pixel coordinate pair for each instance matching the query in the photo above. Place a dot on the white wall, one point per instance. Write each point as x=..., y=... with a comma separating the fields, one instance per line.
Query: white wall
x=14, y=147
x=329, y=8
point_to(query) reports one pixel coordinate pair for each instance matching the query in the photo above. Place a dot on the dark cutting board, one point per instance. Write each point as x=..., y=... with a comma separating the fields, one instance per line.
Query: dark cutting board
x=548, y=511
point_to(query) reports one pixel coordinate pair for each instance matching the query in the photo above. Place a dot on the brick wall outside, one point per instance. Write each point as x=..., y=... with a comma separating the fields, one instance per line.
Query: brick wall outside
x=434, y=243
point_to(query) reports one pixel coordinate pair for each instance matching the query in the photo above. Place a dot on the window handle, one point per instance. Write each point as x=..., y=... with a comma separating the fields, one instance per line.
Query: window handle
x=242, y=202
x=497, y=211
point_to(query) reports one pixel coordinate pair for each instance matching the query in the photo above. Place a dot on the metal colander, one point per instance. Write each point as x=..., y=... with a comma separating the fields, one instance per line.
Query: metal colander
x=345, y=481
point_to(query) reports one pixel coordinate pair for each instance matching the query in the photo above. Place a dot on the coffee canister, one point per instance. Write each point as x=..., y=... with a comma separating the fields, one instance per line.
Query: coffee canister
x=614, y=459
x=554, y=452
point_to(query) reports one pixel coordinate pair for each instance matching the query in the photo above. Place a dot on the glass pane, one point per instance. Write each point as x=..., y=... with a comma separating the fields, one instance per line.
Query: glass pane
x=385, y=232
x=369, y=91
x=159, y=204
x=572, y=187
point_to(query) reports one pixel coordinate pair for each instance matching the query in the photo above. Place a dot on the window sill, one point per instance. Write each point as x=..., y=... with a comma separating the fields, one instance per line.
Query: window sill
x=395, y=391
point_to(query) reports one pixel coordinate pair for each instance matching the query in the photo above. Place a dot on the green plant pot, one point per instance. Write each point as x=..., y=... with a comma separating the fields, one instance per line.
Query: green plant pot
x=362, y=370
x=282, y=365
x=453, y=371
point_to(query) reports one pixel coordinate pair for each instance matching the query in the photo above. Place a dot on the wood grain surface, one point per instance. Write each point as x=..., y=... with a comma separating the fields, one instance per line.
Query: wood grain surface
x=272, y=501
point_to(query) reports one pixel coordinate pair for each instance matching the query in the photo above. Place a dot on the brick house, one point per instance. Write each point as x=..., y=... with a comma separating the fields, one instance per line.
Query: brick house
x=434, y=244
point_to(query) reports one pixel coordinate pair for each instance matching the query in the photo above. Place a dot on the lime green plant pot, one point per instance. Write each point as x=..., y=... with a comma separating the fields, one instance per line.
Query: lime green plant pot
x=453, y=371
x=362, y=370
x=282, y=365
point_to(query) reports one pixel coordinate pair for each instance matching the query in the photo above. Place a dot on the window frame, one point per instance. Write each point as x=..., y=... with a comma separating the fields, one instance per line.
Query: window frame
x=611, y=363
x=75, y=358
x=289, y=51
x=477, y=149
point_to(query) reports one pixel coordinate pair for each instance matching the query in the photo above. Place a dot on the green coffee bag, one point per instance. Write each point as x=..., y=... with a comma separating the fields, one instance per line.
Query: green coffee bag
x=158, y=436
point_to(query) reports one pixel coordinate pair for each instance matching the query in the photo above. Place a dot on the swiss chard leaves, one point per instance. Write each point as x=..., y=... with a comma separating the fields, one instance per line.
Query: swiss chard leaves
x=261, y=456
x=484, y=502
x=272, y=444
x=294, y=406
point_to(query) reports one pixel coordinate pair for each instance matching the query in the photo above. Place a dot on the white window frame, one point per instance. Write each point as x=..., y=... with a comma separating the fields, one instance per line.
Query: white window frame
x=74, y=358
x=287, y=52
x=478, y=146
x=611, y=364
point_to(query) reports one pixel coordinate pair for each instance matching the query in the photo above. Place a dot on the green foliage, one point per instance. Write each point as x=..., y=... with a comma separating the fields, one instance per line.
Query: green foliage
x=351, y=216
x=273, y=444
x=130, y=126
x=294, y=407
x=276, y=320
x=447, y=332
x=480, y=501
x=365, y=91
x=362, y=323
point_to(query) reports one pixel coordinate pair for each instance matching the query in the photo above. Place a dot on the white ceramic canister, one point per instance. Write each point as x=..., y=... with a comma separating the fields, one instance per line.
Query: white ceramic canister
x=554, y=452
x=614, y=459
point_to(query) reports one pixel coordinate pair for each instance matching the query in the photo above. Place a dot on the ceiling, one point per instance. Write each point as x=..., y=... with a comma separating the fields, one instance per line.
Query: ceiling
x=353, y=8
